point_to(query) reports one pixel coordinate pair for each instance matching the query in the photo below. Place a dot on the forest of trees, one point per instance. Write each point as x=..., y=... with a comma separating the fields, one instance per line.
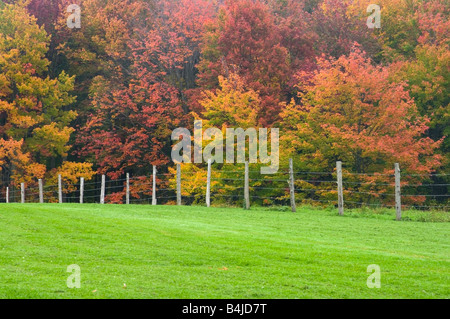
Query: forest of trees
x=104, y=98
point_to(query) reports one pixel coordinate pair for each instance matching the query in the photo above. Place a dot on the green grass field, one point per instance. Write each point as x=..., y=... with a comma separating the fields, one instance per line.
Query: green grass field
x=195, y=252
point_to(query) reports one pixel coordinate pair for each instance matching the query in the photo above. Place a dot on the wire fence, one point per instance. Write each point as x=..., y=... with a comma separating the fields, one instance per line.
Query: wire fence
x=186, y=185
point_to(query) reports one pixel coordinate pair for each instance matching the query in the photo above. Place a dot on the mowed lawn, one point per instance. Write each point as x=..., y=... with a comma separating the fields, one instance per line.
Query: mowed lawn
x=195, y=252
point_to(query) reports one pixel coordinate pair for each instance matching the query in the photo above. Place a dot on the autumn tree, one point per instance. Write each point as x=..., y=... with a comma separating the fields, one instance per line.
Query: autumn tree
x=234, y=105
x=131, y=127
x=100, y=48
x=426, y=69
x=351, y=111
x=427, y=77
x=176, y=34
x=263, y=44
x=34, y=122
x=341, y=23
x=407, y=24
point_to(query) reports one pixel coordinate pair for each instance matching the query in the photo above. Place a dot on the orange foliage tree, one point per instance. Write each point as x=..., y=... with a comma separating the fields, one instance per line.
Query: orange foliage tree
x=34, y=115
x=351, y=111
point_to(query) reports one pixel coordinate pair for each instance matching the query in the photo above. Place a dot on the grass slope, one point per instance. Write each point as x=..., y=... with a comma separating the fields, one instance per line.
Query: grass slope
x=195, y=252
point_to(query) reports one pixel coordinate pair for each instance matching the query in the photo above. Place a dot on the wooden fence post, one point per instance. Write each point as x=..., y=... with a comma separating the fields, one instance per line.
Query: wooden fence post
x=7, y=195
x=246, y=188
x=208, y=185
x=81, y=190
x=154, y=201
x=178, y=184
x=102, y=190
x=398, y=196
x=127, y=192
x=41, y=191
x=22, y=193
x=340, y=189
x=60, y=200
x=292, y=185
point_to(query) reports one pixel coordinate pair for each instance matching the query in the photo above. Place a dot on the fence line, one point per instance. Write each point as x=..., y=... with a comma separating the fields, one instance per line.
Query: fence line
x=197, y=187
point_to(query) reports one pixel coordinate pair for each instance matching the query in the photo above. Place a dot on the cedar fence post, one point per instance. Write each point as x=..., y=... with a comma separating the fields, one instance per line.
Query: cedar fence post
x=41, y=191
x=154, y=186
x=102, y=190
x=81, y=190
x=340, y=188
x=178, y=184
x=398, y=196
x=60, y=199
x=208, y=185
x=292, y=185
x=127, y=191
x=22, y=193
x=246, y=188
